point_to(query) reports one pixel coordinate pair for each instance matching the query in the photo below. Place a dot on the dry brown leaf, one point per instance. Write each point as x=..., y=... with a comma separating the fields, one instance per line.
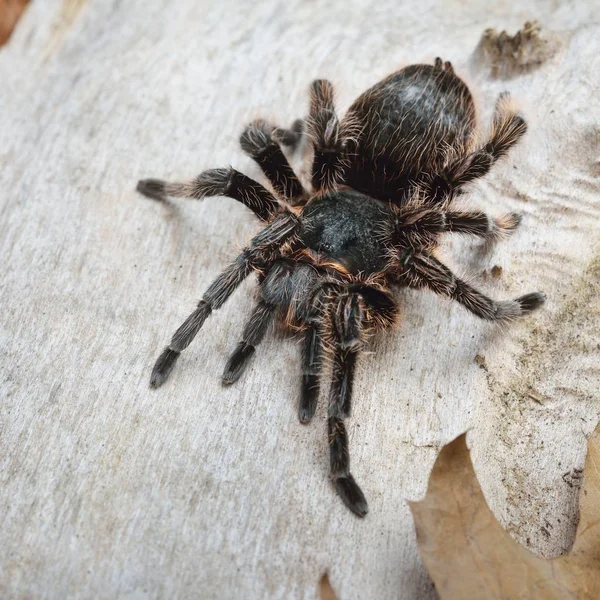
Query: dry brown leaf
x=325, y=590
x=469, y=555
x=10, y=13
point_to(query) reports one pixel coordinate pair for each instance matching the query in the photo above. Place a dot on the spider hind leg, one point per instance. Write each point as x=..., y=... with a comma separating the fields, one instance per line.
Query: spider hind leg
x=329, y=137
x=508, y=127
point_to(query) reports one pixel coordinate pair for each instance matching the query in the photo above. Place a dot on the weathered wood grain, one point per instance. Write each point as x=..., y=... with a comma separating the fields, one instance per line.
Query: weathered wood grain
x=109, y=489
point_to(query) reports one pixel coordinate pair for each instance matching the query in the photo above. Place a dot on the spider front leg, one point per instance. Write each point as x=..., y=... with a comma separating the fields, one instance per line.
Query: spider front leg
x=347, y=334
x=254, y=332
x=384, y=313
x=313, y=347
x=259, y=142
x=217, y=182
x=424, y=270
x=263, y=248
x=312, y=365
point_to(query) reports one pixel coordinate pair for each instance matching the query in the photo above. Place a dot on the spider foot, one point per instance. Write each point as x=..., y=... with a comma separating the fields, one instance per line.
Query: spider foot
x=237, y=363
x=507, y=310
x=531, y=302
x=505, y=225
x=163, y=367
x=351, y=494
x=257, y=139
x=152, y=188
x=308, y=400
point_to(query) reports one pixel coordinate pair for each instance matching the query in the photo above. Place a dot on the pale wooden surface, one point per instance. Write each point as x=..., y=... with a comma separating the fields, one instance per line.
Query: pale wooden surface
x=110, y=489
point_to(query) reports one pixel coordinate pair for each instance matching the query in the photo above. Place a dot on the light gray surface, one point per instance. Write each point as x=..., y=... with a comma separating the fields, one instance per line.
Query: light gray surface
x=110, y=489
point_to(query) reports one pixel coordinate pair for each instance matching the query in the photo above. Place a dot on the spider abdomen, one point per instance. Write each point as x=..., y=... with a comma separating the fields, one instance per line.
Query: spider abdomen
x=407, y=124
x=344, y=228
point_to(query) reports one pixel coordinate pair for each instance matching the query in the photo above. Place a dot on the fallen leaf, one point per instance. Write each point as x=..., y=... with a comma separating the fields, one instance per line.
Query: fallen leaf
x=325, y=590
x=10, y=13
x=469, y=555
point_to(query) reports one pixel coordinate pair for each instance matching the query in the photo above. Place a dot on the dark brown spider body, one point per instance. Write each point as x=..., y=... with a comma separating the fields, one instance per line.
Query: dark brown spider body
x=331, y=263
x=408, y=125
x=339, y=229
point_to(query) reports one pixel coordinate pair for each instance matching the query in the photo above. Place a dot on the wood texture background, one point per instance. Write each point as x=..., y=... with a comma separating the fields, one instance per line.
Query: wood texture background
x=109, y=489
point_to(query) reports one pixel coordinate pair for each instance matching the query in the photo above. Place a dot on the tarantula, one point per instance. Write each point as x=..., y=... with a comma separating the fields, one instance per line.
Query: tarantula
x=331, y=260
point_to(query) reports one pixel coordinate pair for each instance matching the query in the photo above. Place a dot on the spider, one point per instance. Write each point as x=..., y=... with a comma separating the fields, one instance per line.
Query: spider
x=331, y=259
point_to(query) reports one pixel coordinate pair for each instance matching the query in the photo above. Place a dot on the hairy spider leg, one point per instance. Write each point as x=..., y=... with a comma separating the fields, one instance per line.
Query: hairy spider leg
x=327, y=135
x=347, y=330
x=263, y=248
x=312, y=357
x=382, y=310
x=258, y=141
x=475, y=223
x=508, y=127
x=254, y=332
x=312, y=366
x=424, y=270
x=217, y=182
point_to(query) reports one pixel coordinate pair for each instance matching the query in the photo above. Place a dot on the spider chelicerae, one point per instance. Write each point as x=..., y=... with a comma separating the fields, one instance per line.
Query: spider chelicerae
x=331, y=259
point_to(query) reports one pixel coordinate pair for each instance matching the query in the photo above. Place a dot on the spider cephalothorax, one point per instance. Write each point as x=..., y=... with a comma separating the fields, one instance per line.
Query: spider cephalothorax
x=330, y=262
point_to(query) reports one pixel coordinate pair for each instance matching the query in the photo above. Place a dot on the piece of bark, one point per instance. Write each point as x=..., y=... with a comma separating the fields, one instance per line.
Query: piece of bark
x=510, y=55
x=469, y=555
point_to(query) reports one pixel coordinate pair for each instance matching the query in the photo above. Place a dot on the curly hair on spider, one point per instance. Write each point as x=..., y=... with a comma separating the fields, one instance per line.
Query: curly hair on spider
x=333, y=257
